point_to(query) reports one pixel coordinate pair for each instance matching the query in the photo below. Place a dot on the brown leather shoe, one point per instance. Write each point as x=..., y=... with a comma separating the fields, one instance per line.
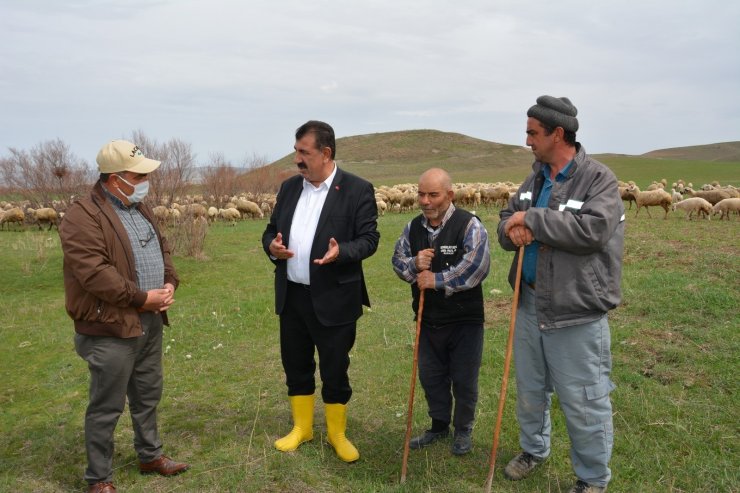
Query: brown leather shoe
x=164, y=466
x=104, y=487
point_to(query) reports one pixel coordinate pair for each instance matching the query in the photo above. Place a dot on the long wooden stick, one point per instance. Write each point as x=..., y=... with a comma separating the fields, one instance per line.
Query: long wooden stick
x=410, y=414
x=507, y=364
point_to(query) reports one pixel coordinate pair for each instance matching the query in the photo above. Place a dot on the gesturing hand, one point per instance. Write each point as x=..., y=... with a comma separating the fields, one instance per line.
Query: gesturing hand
x=331, y=254
x=278, y=250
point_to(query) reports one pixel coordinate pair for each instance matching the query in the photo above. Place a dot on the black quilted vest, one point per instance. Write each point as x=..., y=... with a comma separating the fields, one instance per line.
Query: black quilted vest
x=462, y=306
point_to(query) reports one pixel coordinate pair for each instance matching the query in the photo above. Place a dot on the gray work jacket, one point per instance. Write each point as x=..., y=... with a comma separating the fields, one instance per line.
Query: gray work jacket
x=581, y=236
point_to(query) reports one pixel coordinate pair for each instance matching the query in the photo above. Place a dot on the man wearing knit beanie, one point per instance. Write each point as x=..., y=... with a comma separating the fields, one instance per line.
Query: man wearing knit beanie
x=567, y=219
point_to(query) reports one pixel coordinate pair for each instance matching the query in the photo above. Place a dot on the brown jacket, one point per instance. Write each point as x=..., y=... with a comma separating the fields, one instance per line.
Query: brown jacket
x=101, y=293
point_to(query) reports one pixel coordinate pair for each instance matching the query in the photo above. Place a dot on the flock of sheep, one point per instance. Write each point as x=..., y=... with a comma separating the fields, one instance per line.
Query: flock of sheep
x=709, y=200
x=13, y=214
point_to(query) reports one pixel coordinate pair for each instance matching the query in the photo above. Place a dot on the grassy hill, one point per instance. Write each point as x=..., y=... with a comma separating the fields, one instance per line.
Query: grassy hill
x=721, y=151
x=400, y=157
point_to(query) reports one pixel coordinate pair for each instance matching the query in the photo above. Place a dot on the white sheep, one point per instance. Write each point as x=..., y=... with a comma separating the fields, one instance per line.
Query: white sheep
x=249, y=208
x=657, y=197
x=161, y=213
x=712, y=196
x=677, y=197
x=231, y=214
x=694, y=204
x=212, y=213
x=175, y=214
x=197, y=211
x=726, y=206
x=382, y=206
x=45, y=215
x=14, y=215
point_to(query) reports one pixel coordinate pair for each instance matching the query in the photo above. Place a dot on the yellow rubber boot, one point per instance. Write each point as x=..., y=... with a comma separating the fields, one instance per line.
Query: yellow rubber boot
x=336, y=425
x=302, y=409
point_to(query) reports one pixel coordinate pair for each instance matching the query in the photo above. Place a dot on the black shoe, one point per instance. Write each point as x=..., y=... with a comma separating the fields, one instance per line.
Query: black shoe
x=428, y=438
x=463, y=443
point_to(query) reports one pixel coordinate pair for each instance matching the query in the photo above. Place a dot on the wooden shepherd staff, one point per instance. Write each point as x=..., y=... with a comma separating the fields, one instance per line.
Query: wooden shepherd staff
x=410, y=413
x=507, y=364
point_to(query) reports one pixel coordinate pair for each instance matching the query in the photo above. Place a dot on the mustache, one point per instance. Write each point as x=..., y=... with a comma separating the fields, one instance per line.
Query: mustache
x=302, y=165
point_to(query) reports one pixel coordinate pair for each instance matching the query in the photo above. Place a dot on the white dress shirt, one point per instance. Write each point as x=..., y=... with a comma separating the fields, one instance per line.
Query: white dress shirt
x=303, y=228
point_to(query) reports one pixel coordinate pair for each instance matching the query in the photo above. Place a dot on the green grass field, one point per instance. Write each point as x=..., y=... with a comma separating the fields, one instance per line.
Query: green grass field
x=675, y=345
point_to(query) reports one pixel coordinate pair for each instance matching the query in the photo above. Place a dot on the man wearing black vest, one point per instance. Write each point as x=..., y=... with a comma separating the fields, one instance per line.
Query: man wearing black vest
x=445, y=251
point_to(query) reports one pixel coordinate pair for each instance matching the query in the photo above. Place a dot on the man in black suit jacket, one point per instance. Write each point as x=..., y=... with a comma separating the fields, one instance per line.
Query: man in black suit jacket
x=323, y=225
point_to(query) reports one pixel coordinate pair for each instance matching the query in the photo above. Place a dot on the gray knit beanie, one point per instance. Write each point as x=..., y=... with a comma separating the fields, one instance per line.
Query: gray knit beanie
x=555, y=112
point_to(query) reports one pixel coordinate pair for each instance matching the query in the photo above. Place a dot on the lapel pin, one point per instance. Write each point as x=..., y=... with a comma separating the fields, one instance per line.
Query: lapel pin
x=336, y=187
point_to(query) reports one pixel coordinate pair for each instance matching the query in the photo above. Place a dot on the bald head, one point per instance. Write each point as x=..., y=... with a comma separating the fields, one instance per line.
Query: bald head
x=436, y=178
x=435, y=194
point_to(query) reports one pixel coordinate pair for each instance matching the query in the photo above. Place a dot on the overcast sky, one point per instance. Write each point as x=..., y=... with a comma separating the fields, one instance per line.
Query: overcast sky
x=238, y=77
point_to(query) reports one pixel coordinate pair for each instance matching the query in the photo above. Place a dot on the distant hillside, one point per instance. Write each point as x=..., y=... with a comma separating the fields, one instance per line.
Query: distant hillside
x=721, y=152
x=400, y=157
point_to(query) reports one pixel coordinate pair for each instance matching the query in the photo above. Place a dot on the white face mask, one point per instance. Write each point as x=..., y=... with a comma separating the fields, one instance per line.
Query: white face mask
x=141, y=190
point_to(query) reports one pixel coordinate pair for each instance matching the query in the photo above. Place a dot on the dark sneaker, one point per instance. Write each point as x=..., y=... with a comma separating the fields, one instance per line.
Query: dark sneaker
x=428, y=438
x=463, y=443
x=520, y=466
x=584, y=487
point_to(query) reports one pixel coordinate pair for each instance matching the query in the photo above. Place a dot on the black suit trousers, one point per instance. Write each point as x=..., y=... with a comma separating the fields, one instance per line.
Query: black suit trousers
x=300, y=333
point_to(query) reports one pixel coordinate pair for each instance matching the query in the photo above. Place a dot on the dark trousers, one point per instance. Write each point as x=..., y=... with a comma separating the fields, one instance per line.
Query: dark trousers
x=449, y=361
x=120, y=368
x=300, y=333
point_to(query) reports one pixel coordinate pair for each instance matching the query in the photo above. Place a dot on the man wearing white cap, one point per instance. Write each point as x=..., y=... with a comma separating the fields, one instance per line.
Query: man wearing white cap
x=119, y=281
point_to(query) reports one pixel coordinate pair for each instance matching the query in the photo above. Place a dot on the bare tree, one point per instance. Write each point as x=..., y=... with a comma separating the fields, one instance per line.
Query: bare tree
x=266, y=179
x=254, y=161
x=220, y=178
x=48, y=172
x=173, y=178
x=259, y=177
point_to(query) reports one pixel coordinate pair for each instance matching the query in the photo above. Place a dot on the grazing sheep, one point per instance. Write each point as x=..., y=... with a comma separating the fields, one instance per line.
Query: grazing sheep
x=45, y=215
x=657, y=197
x=249, y=208
x=694, y=204
x=231, y=214
x=382, y=206
x=14, y=215
x=627, y=194
x=212, y=213
x=161, y=214
x=175, y=214
x=677, y=197
x=498, y=195
x=408, y=201
x=727, y=206
x=197, y=211
x=712, y=196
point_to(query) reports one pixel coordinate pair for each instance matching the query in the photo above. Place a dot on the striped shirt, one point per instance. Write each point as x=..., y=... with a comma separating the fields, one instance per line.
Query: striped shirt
x=144, y=243
x=466, y=274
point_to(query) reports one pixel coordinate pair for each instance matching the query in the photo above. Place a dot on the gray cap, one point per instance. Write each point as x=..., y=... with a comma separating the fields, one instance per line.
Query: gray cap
x=555, y=112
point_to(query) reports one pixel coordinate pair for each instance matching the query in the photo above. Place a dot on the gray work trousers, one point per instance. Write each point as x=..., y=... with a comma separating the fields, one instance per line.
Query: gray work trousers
x=449, y=361
x=575, y=362
x=121, y=368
